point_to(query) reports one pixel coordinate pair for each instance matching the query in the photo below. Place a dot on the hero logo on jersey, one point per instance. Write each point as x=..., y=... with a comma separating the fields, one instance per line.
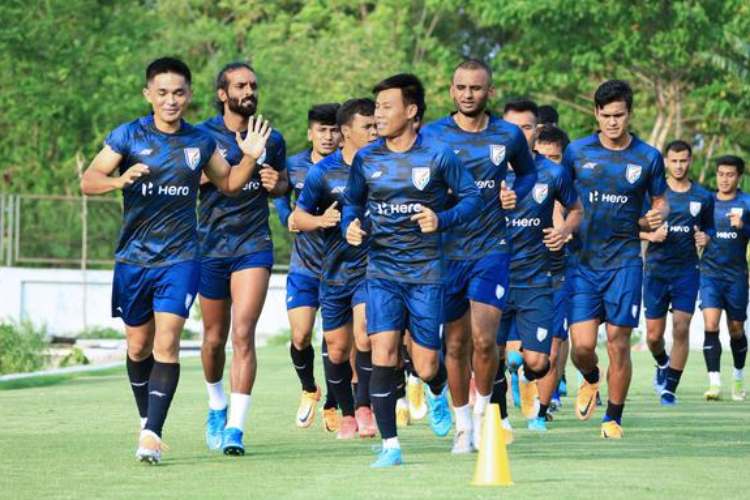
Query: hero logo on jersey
x=420, y=177
x=540, y=193
x=497, y=153
x=633, y=172
x=695, y=208
x=192, y=157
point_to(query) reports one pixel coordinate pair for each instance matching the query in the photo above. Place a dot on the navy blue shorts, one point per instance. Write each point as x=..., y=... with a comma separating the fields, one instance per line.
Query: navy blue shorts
x=337, y=302
x=530, y=312
x=216, y=272
x=680, y=289
x=395, y=305
x=612, y=295
x=561, y=303
x=138, y=291
x=482, y=280
x=731, y=296
x=302, y=291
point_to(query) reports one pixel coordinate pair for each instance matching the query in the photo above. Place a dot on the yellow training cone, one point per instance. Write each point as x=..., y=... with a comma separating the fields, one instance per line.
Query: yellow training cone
x=493, y=466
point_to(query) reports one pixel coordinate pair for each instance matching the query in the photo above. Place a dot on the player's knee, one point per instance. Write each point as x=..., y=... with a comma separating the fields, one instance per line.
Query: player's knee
x=653, y=340
x=426, y=371
x=138, y=351
x=485, y=347
x=337, y=352
x=301, y=338
x=681, y=331
x=736, y=330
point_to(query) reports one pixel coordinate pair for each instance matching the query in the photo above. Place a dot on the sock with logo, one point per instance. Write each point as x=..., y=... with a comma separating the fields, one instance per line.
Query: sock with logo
x=303, y=362
x=161, y=388
x=138, y=374
x=712, y=351
x=339, y=379
x=673, y=379
x=500, y=389
x=363, y=363
x=383, y=397
x=739, y=351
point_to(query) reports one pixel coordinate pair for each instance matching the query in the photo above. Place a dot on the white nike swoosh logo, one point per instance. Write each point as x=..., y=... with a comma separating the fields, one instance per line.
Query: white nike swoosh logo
x=157, y=393
x=300, y=367
x=336, y=381
x=139, y=384
x=380, y=394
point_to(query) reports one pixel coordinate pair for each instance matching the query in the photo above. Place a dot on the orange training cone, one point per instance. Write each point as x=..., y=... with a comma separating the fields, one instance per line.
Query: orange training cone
x=493, y=466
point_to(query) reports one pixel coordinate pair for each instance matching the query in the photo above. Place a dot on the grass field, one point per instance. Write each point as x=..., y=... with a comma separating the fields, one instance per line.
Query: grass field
x=76, y=439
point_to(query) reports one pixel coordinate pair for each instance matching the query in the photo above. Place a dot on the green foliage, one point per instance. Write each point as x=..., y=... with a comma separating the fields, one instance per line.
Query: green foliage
x=75, y=357
x=101, y=332
x=21, y=347
x=188, y=334
x=71, y=71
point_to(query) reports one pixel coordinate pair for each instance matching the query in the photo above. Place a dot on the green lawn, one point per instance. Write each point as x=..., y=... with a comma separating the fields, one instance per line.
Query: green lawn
x=76, y=439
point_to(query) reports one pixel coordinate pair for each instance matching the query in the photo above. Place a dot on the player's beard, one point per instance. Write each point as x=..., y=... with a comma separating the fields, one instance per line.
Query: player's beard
x=246, y=108
x=478, y=110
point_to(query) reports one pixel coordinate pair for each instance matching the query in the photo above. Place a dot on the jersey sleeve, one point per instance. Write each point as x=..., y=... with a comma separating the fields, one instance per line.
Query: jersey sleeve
x=278, y=158
x=119, y=140
x=312, y=193
x=523, y=165
x=462, y=185
x=568, y=161
x=707, y=224
x=355, y=195
x=565, y=191
x=657, y=183
x=746, y=217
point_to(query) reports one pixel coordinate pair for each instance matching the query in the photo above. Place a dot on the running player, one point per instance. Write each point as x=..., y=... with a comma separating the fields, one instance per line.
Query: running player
x=236, y=258
x=342, y=290
x=403, y=180
x=159, y=159
x=614, y=172
x=531, y=298
x=523, y=113
x=671, y=270
x=550, y=141
x=303, y=280
x=724, y=277
x=478, y=254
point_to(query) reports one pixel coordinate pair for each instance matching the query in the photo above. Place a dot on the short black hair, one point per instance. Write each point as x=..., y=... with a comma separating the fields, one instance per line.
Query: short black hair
x=613, y=91
x=475, y=64
x=168, y=65
x=548, y=115
x=411, y=87
x=550, y=134
x=222, y=82
x=325, y=114
x=361, y=106
x=677, y=146
x=731, y=161
x=521, y=106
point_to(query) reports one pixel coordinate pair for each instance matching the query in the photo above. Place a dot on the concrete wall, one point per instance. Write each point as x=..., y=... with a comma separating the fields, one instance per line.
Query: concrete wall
x=59, y=299
x=64, y=300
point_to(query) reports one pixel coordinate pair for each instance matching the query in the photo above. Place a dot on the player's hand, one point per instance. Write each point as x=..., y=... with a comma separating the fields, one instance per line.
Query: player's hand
x=508, y=198
x=132, y=174
x=701, y=238
x=554, y=239
x=355, y=234
x=427, y=220
x=291, y=225
x=258, y=132
x=660, y=234
x=331, y=217
x=654, y=219
x=735, y=219
x=269, y=177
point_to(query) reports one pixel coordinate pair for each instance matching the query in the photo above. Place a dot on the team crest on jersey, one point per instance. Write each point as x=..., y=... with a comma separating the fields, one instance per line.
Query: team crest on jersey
x=192, y=157
x=497, y=153
x=541, y=334
x=222, y=151
x=540, y=192
x=633, y=172
x=420, y=177
x=695, y=208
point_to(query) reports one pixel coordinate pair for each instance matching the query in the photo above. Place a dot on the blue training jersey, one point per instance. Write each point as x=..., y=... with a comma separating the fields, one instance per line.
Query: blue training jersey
x=613, y=186
x=392, y=187
x=325, y=183
x=232, y=226
x=694, y=207
x=725, y=256
x=307, y=250
x=485, y=155
x=531, y=260
x=159, y=223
